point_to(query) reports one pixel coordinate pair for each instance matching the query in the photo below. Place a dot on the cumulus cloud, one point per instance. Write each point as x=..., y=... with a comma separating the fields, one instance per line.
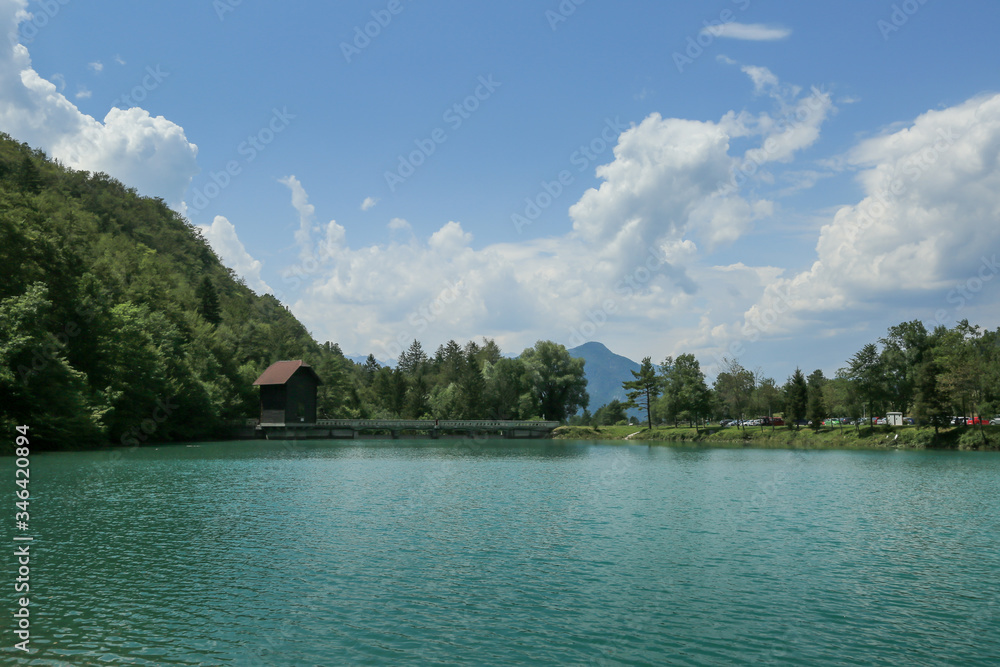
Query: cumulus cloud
x=97, y=67
x=926, y=223
x=635, y=255
x=149, y=153
x=221, y=234
x=755, y=32
x=369, y=202
x=300, y=201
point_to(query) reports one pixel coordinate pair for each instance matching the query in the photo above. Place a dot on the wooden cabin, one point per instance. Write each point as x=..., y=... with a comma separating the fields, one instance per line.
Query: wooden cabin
x=288, y=393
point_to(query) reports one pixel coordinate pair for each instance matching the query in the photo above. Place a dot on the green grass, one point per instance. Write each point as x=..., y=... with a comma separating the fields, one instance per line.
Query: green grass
x=828, y=437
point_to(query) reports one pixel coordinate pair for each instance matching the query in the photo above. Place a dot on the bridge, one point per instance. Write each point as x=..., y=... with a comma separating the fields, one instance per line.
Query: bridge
x=432, y=428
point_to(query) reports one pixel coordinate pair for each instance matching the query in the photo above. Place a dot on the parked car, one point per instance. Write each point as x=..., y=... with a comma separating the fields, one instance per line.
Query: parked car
x=881, y=421
x=908, y=420
x=995, y=421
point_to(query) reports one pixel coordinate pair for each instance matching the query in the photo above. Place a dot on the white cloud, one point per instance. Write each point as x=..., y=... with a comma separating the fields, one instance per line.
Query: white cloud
x=96, y=67
x=300, y=201
x=762, y=77
x=756, y=32
x=83, y=93
x=924, y=226
x=368, y=203
x=221, y=234
x=634, y=257
x=149, y=153
x=118, y=59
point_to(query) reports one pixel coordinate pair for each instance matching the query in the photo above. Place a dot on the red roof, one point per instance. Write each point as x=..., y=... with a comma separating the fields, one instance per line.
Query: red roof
x=281, y=371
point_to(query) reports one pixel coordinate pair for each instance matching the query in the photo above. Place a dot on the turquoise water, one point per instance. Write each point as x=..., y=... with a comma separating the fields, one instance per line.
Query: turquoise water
x=492, y=552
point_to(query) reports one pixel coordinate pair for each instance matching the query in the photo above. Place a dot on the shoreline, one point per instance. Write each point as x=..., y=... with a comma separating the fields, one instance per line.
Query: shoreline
x=965, y=438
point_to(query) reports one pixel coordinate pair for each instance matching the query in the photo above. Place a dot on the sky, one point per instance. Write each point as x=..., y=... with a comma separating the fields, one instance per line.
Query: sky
x=773, y=182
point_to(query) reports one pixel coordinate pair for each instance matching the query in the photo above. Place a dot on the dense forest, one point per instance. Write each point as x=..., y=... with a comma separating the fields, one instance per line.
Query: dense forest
x=929, y=375
x=118, y=323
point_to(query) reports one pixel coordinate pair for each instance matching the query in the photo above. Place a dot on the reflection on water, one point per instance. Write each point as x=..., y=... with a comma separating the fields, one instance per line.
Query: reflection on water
x=485, y=552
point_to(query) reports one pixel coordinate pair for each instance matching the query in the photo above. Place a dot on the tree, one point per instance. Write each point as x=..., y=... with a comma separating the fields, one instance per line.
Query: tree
x=734, y=386
x=472, y=386
x=417, y=405
x=610, y=413
x=816, y=412
x=505, y=387
x=684, y=385
x=412, y=360
x=766, y=396
x=932, y=406
x=796, y=398
x=866, y=372
x=641, y=390
x=208, y=301
x=556, y=381
x=370, y=368
x=903, y=352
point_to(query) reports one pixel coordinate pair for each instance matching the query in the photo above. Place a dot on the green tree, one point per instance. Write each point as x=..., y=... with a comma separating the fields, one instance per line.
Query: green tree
x=816, y=412
x=208, y=301
x=932, y=406
x=609, y=414
x=866, y=372
x=643, y=389
x=684, y=384
x=734, y=386
x=556, y=381
x=796, y=398
x=903, y=351
x=413, y=360
x=505, y=388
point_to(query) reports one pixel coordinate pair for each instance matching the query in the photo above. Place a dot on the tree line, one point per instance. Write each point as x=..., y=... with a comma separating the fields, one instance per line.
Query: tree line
x=929, y=375
x=474, y=381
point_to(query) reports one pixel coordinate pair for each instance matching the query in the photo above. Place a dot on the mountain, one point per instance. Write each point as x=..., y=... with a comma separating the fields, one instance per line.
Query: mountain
x=605, y=373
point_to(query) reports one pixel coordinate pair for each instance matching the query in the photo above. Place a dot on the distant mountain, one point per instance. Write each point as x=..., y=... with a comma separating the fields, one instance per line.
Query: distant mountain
x=605, y=372
x=363, y=359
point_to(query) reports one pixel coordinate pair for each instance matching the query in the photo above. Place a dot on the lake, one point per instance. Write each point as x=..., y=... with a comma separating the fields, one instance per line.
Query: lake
x=456, y=552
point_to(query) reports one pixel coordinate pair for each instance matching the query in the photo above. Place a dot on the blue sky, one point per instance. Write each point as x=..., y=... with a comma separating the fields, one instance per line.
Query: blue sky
x=774, y=181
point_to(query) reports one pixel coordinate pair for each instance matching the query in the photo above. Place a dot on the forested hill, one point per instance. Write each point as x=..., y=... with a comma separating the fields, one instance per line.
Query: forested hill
x=117, y=320
x=119, y=324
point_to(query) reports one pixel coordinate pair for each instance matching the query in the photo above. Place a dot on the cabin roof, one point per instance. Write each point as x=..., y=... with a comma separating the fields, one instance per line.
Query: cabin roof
x=281, y=371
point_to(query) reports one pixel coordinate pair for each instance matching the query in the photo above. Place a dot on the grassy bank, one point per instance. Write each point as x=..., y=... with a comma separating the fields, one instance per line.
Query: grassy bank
x=879, y=437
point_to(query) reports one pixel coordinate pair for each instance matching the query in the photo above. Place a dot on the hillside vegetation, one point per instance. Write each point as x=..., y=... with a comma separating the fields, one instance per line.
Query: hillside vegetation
x=119, y=324
x=117, y=320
